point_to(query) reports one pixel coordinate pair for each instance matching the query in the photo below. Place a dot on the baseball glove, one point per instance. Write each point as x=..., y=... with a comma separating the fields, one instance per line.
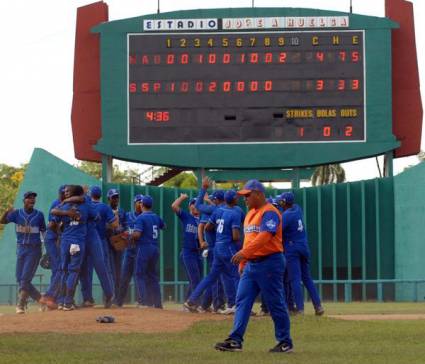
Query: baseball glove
x=45, y=262
x=118, y=242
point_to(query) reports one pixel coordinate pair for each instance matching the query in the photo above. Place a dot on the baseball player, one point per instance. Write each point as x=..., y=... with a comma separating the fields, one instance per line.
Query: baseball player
x=261, y=265
x=129, y=256
x=30, y=226
x=226, y=221
x=146, y=234
x=297, y=253
x=190, y=254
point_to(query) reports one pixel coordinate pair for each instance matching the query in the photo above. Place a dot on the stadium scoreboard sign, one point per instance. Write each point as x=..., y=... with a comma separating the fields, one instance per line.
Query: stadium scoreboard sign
x=307, y=89
x=261, y=87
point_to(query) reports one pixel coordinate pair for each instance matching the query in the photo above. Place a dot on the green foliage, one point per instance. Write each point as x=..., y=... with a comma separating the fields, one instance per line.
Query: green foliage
x=94, y=169
x=182, y=180
x=328, y=174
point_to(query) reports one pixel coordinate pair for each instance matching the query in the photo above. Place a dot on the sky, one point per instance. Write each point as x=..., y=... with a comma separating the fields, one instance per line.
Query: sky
x=36, y=73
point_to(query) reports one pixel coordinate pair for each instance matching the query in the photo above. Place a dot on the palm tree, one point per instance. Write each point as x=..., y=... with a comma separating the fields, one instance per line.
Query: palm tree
x=327, y=174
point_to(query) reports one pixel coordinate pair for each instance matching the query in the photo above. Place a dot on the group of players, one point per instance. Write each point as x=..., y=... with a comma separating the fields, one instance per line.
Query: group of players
x=78, y=241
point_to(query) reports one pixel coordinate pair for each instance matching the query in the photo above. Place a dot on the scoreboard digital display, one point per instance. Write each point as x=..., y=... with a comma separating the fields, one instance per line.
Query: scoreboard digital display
x=246, y=87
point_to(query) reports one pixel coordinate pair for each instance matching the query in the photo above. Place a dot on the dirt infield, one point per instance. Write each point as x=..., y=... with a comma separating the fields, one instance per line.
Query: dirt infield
x=128, y=320
x=379, y=317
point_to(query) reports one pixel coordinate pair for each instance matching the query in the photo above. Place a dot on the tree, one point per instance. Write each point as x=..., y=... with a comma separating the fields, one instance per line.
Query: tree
x=328, y=174
x=182, y=180
x=118, y=176
x=421, y=156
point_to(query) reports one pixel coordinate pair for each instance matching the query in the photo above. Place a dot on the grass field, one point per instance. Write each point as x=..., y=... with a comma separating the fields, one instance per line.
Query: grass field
x=317, y=340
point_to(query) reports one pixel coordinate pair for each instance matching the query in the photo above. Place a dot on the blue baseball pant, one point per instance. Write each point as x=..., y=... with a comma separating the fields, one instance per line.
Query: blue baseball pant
x=215, y=293
x=127, y=271
x=193, y=265
x=28, y=257
x=53, y=251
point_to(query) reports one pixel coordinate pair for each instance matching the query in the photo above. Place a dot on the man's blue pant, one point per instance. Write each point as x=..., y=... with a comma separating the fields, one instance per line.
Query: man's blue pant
x=127, y=271
x=53, y=251
x=28, y=256
x=298, y=259
x=264, y=276
x=215, y=293
x=95, y=258
x=147, y=280
x=221, y=265
x=193, y=265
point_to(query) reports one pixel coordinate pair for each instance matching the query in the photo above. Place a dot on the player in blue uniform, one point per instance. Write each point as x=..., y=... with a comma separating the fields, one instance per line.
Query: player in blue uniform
x=146, y=234
x=74, y=217
x=215, y=293
x=227, y=223
x=190, y=254
x=297, y=253
x=30, y=225
x=129, y=256
x=52, y=245
x=116, y=256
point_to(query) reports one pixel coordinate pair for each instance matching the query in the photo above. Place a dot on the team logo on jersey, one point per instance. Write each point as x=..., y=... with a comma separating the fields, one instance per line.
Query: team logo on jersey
x=271, y=224
x=252, y=229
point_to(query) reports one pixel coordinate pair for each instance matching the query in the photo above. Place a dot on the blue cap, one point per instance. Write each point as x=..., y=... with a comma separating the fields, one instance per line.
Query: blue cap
x=112, y=192
x=287, y=197
x=147, y=201
x=192, y=201
x=61, y=189
x=29, y=194
x=219, y=195
x=252, y=185
x=230, y=196
x=138, y=198
x=95, y=191
x=269, y=199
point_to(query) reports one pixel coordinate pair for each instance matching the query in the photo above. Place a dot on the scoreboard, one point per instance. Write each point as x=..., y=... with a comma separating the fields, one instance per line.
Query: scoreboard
x=263, y=87
x=246, y=88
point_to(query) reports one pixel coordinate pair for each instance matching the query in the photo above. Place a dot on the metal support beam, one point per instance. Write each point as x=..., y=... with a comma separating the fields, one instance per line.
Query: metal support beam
x=388, y=164
x=107, y=168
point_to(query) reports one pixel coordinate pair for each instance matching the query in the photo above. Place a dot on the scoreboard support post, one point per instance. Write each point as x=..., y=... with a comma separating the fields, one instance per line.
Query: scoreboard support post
x=107, y=168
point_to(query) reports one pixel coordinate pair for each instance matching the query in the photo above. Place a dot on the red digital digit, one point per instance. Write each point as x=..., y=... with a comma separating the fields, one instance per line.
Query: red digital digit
x=170, y=58
x=342, y=56
x=132, y=59
x=158, y=116
x=212, y=58
x=172, y=87
x=199, y=86
x=320, y=56
x=268, y=57
x=254, y=86
x=200, y=58
x=145, y=60
x=184, y=87
x=157, y=59
x=145, y=86
x=320, y=85
x=341, y=85
x=226, y=86
x=301, y=132
x=327, y=131
x=212, y=86
x=253, y=57
x=149, y=115
x=133, y=88
x=226, y=58
x=156, y=86
x=242, y=58
x=268, y=85
x=240, y=86
x=355, y=84
x=348, y=131
x=282, y=57
x=355, y=56
x=166, y=116
x=184, y=58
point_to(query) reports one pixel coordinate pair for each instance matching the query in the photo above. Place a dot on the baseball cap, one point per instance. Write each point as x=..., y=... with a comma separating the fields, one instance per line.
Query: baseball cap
x=269, y=199
x=230, y=196
x=147, y=201
x=252, y=185
x=112, y=192
x=95, y=191
x=219, y=195
x=29, y=194
x=192, y=201
x=138, y=198
x=61, y=189
x=287, y=197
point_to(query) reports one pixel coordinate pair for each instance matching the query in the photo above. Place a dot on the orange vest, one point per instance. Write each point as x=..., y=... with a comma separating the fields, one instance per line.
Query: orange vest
x=252, y=225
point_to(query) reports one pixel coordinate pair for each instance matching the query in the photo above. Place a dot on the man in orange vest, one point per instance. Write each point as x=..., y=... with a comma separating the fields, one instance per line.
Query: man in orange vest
x=261, y=264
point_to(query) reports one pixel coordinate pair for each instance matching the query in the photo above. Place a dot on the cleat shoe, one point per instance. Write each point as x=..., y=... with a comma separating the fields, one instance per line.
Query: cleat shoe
x=87, y=304
x=228, y=311
x=282, y=347
x=48, y=302
x=296, y=313
x=228, y=345
x=20, y=310
x=204, y=310
x=108, y=302
x=263, y=313
x=141, y=307
x=192, y=307
x=69, y=307
x=319, y=311
x=60, y=306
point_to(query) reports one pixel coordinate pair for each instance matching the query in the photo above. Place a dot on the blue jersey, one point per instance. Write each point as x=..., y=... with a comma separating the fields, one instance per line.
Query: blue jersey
x=225, y=219
x=29, y=225
x=149, y=224
x=293, y=225
x=190, y=230
x=130, y=220
x=104, y=215
x=75, y=230
x=121, y=214
x=51, y=234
